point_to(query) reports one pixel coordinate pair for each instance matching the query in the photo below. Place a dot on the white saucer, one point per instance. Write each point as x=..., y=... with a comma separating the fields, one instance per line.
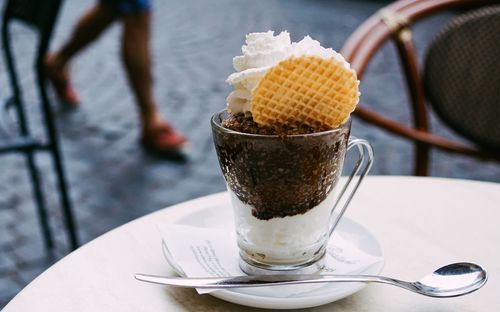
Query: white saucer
x=218, y=214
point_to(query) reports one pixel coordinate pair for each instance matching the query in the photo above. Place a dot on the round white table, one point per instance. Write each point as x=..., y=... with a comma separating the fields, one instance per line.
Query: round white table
x=421, y=223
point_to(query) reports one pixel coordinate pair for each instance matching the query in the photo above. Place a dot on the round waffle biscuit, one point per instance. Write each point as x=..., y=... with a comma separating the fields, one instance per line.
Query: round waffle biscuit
x=306, y=90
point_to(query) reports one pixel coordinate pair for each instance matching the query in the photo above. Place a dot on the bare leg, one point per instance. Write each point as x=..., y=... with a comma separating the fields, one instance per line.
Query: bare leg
x=137, y=60
x=87, y=29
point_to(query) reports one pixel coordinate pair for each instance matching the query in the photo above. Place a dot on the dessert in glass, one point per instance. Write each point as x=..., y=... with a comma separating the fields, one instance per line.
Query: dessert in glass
x=281, y=144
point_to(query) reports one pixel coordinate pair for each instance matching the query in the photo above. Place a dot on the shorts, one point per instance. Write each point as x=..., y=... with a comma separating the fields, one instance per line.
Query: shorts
x=124, y=7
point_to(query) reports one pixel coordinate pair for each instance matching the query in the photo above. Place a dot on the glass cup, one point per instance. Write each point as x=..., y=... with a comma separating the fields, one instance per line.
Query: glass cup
x=284, y=196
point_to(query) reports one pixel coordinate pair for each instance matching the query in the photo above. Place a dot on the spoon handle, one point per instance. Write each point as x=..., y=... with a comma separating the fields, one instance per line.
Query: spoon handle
x=263, y=280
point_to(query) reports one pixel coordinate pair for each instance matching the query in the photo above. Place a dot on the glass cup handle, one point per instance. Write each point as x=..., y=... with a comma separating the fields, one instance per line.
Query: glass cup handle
x=365, y=161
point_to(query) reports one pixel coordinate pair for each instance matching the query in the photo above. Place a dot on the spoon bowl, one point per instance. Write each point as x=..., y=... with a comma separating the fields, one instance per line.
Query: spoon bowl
x=453, y=280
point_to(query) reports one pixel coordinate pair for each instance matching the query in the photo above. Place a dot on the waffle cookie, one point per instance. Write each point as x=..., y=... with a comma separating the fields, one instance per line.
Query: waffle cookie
x=306, y=90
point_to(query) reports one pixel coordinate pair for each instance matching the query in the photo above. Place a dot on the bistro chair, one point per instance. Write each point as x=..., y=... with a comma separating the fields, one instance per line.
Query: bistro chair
x=15, y=135
x=460, y=78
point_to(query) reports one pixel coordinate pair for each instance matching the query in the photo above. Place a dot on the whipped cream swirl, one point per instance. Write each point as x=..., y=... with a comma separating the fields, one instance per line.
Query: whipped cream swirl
x=261, y=52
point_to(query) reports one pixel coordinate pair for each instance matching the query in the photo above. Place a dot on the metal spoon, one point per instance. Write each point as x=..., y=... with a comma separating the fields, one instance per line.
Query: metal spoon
x=451, y=280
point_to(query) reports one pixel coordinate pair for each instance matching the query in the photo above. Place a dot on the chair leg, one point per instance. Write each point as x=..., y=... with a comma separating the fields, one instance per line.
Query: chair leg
x=421, y=160
x=40, y=201
x=69, y=220
x=55, y=150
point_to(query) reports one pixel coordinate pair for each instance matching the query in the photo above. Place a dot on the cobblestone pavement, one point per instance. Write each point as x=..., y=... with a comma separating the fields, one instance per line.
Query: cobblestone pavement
x=112, y=181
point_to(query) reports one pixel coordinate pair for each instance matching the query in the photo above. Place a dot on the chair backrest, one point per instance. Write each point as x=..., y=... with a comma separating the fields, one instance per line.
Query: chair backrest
x=394, y=23
x=462, y=76
x=40, y=14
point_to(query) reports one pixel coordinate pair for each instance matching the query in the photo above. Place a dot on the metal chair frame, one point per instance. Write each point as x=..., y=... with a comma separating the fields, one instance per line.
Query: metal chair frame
x=393, y=22
x=22, y=141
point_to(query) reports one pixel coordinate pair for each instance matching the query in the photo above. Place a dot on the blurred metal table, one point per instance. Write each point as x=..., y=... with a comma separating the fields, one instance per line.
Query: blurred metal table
x=421, y=223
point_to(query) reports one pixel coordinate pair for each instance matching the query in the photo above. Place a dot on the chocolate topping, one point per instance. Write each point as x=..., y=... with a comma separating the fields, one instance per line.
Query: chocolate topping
x=243, y=122
x=279, y=174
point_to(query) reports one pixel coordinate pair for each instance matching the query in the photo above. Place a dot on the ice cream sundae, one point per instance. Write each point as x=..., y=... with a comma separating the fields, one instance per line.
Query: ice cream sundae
x=281, y=143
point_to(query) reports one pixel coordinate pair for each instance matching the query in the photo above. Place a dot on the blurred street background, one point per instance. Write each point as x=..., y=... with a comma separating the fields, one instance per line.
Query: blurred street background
x=112, y=181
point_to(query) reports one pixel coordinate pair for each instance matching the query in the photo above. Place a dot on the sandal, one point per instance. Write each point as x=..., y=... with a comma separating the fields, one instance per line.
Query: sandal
x=164, y=141
x=60, y=81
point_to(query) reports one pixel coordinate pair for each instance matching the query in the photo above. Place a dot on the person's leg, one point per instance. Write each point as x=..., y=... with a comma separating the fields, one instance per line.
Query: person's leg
x=87, y=29
x=137, y=60
x=156, y=133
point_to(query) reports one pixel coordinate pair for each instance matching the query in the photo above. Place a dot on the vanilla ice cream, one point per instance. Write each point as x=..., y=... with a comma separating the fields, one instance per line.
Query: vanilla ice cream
x=285, y=240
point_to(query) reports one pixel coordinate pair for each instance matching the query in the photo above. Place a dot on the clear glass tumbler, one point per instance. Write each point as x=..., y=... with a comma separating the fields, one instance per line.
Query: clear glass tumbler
x=282, y=190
